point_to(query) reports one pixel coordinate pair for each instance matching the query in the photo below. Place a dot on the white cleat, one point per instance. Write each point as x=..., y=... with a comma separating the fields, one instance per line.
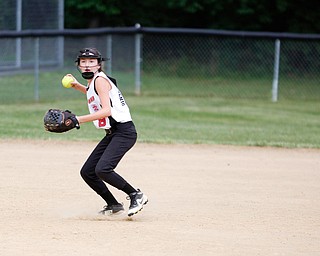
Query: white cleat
x=137, y=201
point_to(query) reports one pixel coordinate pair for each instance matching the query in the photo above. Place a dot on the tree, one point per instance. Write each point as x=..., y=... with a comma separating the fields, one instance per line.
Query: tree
x=264, y=15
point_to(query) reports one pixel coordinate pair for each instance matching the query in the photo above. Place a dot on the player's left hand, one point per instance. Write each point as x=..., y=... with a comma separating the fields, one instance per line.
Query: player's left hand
x=58, y=121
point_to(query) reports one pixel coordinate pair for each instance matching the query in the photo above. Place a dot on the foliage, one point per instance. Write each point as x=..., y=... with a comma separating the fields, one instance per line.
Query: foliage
x=279, y=16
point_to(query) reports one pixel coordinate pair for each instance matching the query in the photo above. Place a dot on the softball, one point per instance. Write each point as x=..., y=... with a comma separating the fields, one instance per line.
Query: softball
x=66, y=81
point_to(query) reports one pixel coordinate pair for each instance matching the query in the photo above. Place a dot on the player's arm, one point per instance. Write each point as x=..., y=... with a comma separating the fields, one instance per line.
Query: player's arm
x=79, y=87
x=103, y=87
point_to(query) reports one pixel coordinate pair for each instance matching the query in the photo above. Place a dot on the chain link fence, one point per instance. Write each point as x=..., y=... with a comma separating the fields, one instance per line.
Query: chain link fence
x=31, y=14
x=28, y=15
x=231, y=66
x=190, y=63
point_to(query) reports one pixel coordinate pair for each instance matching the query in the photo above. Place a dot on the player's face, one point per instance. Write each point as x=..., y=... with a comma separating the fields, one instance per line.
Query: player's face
x=87, y=64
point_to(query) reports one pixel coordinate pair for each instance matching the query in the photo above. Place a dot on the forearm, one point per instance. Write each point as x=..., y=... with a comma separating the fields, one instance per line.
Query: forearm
x=102, y=113
x=79, y=87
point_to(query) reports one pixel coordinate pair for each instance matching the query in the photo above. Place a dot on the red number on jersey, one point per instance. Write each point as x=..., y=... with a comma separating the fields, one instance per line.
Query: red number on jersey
x=102, y=122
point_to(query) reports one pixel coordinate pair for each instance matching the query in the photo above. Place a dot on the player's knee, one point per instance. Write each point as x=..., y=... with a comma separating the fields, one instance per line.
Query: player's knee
x=87, y=173
x=102, y=172
x=84, y=174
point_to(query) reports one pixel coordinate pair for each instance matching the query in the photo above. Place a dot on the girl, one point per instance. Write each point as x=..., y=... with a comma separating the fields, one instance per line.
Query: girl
x=109, y=112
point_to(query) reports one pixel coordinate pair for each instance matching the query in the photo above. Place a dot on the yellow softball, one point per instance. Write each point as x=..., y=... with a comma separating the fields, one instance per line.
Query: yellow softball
x=66, y=81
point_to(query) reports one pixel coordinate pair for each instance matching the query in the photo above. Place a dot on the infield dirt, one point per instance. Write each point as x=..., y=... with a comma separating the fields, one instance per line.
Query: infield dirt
x=203, y=200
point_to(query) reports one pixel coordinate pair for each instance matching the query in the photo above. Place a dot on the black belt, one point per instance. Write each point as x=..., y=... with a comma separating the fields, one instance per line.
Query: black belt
x=118, y=126
x=109, y=131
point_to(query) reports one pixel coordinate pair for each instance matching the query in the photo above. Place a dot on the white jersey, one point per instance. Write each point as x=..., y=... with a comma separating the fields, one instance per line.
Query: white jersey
x=119, y=109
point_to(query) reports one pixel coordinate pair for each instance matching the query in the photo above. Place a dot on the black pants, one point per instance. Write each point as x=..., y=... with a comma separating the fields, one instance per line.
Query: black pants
x=100, y=165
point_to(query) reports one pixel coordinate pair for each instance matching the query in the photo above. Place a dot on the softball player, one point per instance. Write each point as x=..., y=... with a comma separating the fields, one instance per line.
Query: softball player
x=109, y=112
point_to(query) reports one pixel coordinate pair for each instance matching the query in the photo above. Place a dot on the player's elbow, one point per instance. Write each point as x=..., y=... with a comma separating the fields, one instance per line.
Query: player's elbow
x=106, y=112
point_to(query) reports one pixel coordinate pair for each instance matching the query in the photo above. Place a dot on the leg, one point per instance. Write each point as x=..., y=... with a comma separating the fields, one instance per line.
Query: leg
x=116, y=149
x=89, y=176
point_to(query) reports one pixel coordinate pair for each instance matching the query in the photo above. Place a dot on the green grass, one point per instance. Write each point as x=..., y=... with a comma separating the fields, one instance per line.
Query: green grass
x=184, y=120
x=218, y=121
x=169, y=118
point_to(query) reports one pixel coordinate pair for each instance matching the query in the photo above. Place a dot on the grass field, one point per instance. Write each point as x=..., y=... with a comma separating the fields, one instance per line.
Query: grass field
x=184, y=120
x=173, y=118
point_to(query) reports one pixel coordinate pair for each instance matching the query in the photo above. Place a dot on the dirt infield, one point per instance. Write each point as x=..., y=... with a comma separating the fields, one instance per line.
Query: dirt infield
x=204, y=200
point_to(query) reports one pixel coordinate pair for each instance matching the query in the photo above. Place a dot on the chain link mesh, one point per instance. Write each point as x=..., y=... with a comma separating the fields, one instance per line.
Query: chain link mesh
x=176, y=64
x=32, y=14
x=229, y=66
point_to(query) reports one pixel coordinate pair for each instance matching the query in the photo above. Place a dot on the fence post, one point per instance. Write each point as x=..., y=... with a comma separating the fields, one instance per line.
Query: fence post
x=36, y=69
x=109, y=54
x=138, y=60
x=276, y=71
x=18, y=28
x=60, y=39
